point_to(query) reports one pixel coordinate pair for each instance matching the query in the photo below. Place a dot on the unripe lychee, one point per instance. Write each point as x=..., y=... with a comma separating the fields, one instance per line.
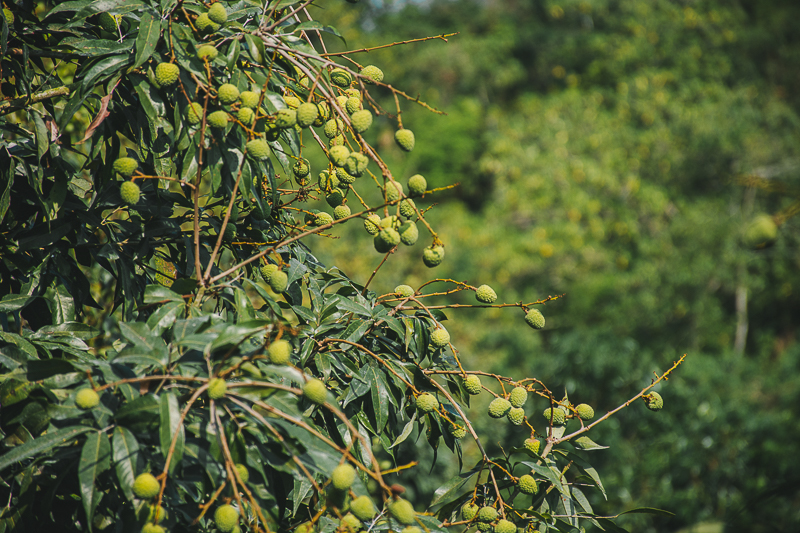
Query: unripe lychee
x=343, y=476
x=402, y=511
x=146, y=486
x=585, y=411
x=336, y=141
x=457, y=431
x=334, y=198
x=556, y=414
x=761, y=231
x=350, y=524
x=410, y=529
x=473, y=384
x=535, y=319
x=353, y=105
x=484, y=527
x=157, y=514
x=338, y=155
x=390, y=222
x=278, y=281
x=427, y=402
x=341, y=77
x=518, y=396
x=469, y=511
x=343, y=176
x=487, y=514
x=327, y=181
x=386, y=239
x=292, y=102
x=217, y=388
x=485, y=294
x=440, y=338
x=306, y=114
x=315, y=391
x=258, y=149
x=167, y=74
x=409, y=233
x=361, y=120
x=372, y=224
x=324, y=111
x=249, y=99
x=393, y=191
x=527, y=485
x=285, y=118
x=499, y=407
x=532, y=445
x=403, y=291
x=217, y=13
x=205, y=24
x=244, y=474
x=404, y=139
x=372, y=74
x=87, y=399
x=341, y=100
x=505, y=526
x=516, y=415
x=129, y=192
x=353, y=93
x=125, y=166
x=322, y=218
x=333, y=127
x=356, y=164
x=407, y=208
x=280, y=352
x=149, y=527
x=228, y=93
x=417, y=184
x=217, y=119
x=226, y=516
x=246, y=116
x=301, y=168
x=653, y=401
x=433, y=256
x=268, y=270
x=363, y=508
x=194, y=113
x=341, y=211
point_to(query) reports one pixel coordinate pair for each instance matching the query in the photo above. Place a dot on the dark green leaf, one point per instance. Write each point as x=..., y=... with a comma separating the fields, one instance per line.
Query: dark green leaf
x=46, y=442
x=147, y=38
x=170, y=428
x=125, y=452
x=95, y=459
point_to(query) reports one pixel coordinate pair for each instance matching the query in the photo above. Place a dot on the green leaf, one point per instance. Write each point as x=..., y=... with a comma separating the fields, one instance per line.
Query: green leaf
x=140, y=414
x=14, y=302
x=170, y=428
x=147, y=39
x=648, y=510
x=42, y=444
x=406, y=431
x=158, y=293
x=125, y=449
x=14, y=391
x=451, y=490
x=95, y=459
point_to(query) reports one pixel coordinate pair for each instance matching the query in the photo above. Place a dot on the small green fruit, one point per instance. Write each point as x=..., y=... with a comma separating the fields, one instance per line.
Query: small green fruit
x=356, y=164
x=557, y=416
x=217, y=13
x=411, y=529
x=207, y=51
x=343, y=176
x=167, y=74
x=518, y=396
x=246, y=116
x=457, y=431
x=333, y=127
x=205, y=24
x=87, y=399
x=217, y=119
x=535, y=319
x=322, y=218
x=427, y=402
x=363, y=508
x=226, y=517
x=487, y=514
x=372, y=224
x=315, y=391
x=157, y=514
x=361, y=120
x=244, y=474
x=417, y=185
x=585, y=411
x=402, y=511
x=336, y=141
x=473, y=384
x=227, y=93
x=341, y=211
x=152, y=528
x=341, y=77
x=327, y=181
x=338, y=155
x=516, y=415
x=267, y=271
x=258, y=148
x=407, y=208
x=249, y=99
x=485, y=294
x=350, y=523
x=433, y=256
x=129, y=192
x=301, y=168
x=469, y=511
x=393, y=191
x=499, y=407
x=527, y=485
x=343, y=477
x=405, y=139
x=278, y=281
x=408, y=233
x=285, y=118
x=654, y=401
x=386, y=239
x=194, y=113
x=146, y=486
x=292, y=102
x=280, y=352
x=335, y=197
x=403, y=291
x=532, y=445
x=125, y=166
x=353, y=93
x=217, y=388
x=440, y=338
x=505, y=526
x=761, y=231
x=306, y=114
x=372, y=73
x=353, y=105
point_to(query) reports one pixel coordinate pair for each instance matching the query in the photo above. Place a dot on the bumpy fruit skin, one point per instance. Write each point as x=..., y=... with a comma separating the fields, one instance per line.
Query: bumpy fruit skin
x=217, y=388
x=343, y=477
x=205, y=24
x=301, y=168
x=535, y=319
x=427, y=402
x=217, y=13
x=217, y=119
x=411, y=529
x=585, y=411
x=405, y=139
x=393, y=191
x=315, y=391
x=499, y=407
x=194, y=113
x=417, y=185
x=353, y=105
x=343, y=176
x=157, y=514
x=404, y=291
x=518, y=397
x=278, y=281
x=228, y=93
x=372, y=224
x=336, y=141
x=341, y=78
x=207, y=51
x=322, y=218
x=532, y=445
x=292, y=102
x=473, y=384
x=505, y=526
x=350, y=523
x=654, y=401
x=306, y=114
x=152, y=528
x=483, y=527
x=761, y=231
x=433, y=256
x=246, y=116
x=387, y=239
x=407, y=208
x=285, y=118
x=244, y=474
x=167, y=74
x=372, y=73
x=356, y=164
x=409, y=233
x=87, y=399
x=341, y=211
x=249, y=99
x=469, y=511
x=527, y=485
x=129, y=192
x=487, y=514
x=402, y=511
x=361, y=120
x=280, y=352
x=126, y=166
x=353, y=93
x=327, y=181
x=338, y=155
x=226, y=517
x=146, y=486
x=457, y=431
x=440, y=337
x=333, y=127
x=363, y=508
x=516, y=415
x=258, y=149
x=485, y=294
x=556, y=414
x=268, y=270
x=335, y=197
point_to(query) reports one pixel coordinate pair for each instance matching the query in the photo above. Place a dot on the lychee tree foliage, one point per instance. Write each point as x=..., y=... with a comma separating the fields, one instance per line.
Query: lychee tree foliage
x=233, y=382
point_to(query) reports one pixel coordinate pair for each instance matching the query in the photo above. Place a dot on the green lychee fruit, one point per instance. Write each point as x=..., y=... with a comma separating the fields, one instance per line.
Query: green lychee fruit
x=361, y=120
x=386, y=239
x=167, y=74
x=433, y=256
x=411, y=529
x=761, y=231
x=653, y=401
x=350, y=524
x=217, y=388
x=457, y=431
x=157, y=514
x=280, y=352
x=278, y=281
x=532, y=445
x=292, y=102
x=499, y=407
x=217, y=13
x=341, y=77
x=487, y=514
x=194, y=113
x=129, y=192
x=334, y=198
x=306, y=114
x=341, y=100
x=427, y=402
x=417, y=185
x=267, y=271
x=393, y=191
x=402, y=511
x=207, y=51
x=333, y=127
x=249, y=99
x=469, y=511
x=408, y=233
x=527, y=485
x=516, y=415
x=407, y=208
x=403, y=291
x=149, y=527
x=485, y=294
x=205, y=24
x=363, y=508
x=341, y=211
x=343, y=176
x=125, y=166
x=343, y=477
x=336, y=141
x=353, y=105
x=244, y=474
x=228, y=93
x=217, y=119
x=146, y=486
x=353, y=93
x=87, y=399
x=404, y=139
x=322, y=218
x=105, y=20
x=356, y=164
x=585, y=411
x=535, y=319
x=246, y=116
x=473, y=384
x=505, y=526
x=226, y=516
x=440, y=338
x=301, y=168
x=372, y=224
x=518, y=396
x=327, y=181
x=338, y=155
x=557, y=416
x=285, y=118
x=315, y=391
x=390, y=222
x=258, y=149
x=372, y=73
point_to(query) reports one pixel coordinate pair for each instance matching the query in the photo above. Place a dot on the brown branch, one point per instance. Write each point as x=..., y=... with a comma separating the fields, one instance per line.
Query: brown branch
x=15, y=104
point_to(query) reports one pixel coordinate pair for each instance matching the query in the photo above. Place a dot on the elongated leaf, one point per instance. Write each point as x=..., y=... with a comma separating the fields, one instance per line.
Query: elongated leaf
x=170, y=428
x=42, y=444
x=648, y=510
x=95, y=459
x=406, y=431
x=125, y=449
x=146, y=41
x=452, y=488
